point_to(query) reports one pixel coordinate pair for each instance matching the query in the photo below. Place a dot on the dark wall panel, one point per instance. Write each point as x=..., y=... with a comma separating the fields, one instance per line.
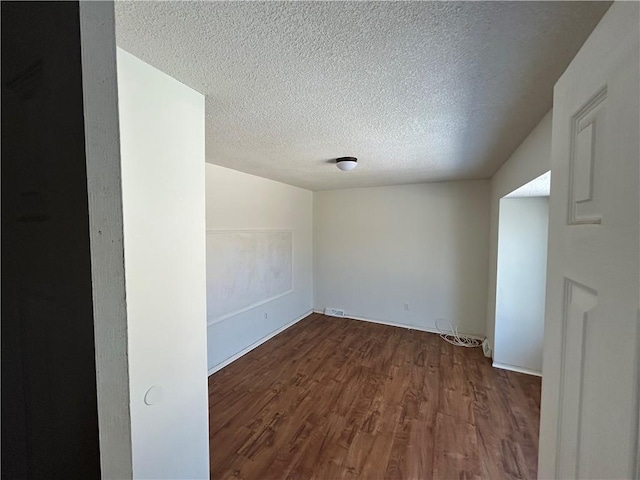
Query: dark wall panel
x=49, y=412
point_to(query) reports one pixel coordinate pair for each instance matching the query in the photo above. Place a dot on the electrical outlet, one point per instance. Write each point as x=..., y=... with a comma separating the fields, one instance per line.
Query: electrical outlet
x=266, y=315
x=406, y=307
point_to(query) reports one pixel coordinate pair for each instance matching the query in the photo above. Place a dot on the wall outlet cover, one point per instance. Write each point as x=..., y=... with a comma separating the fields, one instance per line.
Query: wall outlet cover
x=486, y=349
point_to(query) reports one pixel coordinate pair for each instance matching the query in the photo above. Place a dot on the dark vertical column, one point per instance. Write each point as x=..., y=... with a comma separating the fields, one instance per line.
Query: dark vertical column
x=49, y=412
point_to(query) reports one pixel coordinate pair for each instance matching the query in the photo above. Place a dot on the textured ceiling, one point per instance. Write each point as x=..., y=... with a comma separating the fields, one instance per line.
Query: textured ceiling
x=538, y=187
x=418, y=91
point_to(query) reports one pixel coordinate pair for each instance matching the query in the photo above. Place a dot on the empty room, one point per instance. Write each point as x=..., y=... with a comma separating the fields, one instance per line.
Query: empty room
x=321, y=240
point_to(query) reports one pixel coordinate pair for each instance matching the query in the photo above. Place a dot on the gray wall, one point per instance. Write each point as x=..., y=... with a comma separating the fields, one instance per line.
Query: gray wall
x=521, y=282
x=239, y=201
x=425, y=245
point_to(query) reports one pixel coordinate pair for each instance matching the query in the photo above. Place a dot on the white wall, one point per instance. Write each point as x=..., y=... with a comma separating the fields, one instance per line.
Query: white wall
x=162, y=148
x=521, y=282
x=104, y=182
x=239, y=201
x=530, y=160
x=426, y=245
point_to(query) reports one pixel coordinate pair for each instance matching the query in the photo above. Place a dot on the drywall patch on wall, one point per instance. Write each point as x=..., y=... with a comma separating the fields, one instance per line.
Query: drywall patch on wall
x=246, y=269
x=237, y=201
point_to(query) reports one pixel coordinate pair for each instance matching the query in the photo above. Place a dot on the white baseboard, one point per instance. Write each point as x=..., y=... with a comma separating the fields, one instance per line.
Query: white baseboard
x=403, y=325
x=233, y=358
x=515, y=368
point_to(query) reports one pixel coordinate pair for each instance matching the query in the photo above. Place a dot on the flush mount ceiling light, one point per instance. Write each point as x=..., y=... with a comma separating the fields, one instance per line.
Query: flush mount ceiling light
x=346, y=163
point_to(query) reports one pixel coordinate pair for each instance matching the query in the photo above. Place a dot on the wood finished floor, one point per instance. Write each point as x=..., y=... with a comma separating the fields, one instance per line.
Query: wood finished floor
x=336, y=398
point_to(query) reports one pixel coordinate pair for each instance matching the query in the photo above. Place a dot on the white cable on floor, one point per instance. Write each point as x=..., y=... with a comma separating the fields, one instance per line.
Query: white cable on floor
x=454, y=338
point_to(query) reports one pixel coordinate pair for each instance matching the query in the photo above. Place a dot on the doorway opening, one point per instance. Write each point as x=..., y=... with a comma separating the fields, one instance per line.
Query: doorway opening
x=521, y=280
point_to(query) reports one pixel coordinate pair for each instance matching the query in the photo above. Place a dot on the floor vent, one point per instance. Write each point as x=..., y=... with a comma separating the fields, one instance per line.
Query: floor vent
x=334, y=312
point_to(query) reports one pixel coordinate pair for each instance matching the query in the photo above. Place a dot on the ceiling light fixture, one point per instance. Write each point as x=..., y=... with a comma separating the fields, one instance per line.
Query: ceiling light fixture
x=346, y=163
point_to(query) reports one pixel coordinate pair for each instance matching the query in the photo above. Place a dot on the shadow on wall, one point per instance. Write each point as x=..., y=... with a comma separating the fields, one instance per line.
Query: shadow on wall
x=470, y=254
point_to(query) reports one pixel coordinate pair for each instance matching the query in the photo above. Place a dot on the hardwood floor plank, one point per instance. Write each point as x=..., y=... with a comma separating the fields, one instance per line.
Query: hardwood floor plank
x=398, y=456
x=456, y=449
x=456, y=392
x=336, y=398
x=420, y=450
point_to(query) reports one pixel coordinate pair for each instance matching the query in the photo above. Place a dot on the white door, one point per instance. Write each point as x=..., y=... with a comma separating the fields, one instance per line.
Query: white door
x=590, y=408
